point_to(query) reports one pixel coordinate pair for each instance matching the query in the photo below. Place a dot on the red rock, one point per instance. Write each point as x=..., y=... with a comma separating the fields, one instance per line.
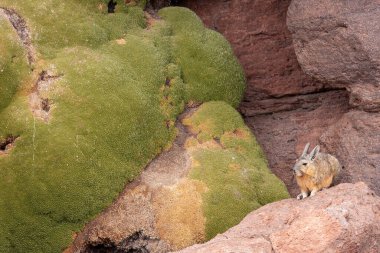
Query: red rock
x=355, y=139
x=337, y=42
x=260, y=39
x=345, y=218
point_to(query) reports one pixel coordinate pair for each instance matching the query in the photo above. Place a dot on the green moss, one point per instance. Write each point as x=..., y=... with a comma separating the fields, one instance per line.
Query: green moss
x=209, y=67
x=59, y=24
x=13, y=62
x=210, y=121
x=110, y=111
x=236, y=172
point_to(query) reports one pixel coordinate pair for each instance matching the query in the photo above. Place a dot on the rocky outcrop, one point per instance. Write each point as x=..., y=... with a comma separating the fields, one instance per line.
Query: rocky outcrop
x=331, y=97
x=338, y=43
x=345, y=218
x=355, y=139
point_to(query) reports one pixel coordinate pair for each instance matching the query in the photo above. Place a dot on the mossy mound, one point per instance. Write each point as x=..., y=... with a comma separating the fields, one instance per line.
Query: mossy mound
x=228, y=160
x=13, y=67
x=112, y=109
x=195, y=46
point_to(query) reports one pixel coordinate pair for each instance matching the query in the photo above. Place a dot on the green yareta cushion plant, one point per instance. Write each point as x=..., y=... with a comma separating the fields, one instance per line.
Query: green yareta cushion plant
x=229, y=161
x=112, y=86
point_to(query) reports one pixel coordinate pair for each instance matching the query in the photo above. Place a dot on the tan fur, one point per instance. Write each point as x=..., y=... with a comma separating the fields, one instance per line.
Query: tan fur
x=318, y=174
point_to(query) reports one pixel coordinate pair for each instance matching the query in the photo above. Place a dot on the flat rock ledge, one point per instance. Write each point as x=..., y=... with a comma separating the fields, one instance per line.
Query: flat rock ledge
x=345, y=218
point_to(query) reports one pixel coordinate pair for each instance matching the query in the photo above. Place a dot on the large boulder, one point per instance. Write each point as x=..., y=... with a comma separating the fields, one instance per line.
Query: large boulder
x=355, y=138
x=337, y=42
x=345, y=218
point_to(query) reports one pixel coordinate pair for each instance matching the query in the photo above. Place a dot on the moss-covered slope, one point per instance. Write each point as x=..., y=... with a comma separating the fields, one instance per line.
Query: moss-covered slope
x=228, y=160
x=118, y=88
x=13, y=67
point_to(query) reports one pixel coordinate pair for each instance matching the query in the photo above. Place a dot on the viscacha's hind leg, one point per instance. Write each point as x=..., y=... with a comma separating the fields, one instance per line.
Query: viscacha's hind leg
x=313, y=192
x=327, y=182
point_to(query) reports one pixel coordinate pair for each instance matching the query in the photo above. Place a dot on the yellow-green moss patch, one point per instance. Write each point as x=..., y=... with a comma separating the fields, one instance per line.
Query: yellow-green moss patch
x=13, y=62
x=235, y=172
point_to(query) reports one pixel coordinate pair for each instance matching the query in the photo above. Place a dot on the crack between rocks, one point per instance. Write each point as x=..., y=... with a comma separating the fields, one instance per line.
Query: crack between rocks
x=288, y=103
x=319, y=91
x=267, y=238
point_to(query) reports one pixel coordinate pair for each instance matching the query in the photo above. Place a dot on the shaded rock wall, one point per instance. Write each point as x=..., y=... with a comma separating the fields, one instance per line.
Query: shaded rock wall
x=286, y=107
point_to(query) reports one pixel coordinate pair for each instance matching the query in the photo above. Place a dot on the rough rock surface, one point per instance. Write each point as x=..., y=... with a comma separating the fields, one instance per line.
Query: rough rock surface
x=286, y=105
x=345, y=218
x=284, y=134
x=355, y=138
x=258, y=34
x=337, y=42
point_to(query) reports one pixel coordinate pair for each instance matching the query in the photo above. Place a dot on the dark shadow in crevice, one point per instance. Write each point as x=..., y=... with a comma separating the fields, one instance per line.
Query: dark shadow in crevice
x=111, y=6
x=138, y=242
x=159, y=4
x=7, y=142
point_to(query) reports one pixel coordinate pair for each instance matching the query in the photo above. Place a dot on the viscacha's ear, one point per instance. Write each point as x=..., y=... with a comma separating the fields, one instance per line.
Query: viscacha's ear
x=304, y=153
x=314, y=153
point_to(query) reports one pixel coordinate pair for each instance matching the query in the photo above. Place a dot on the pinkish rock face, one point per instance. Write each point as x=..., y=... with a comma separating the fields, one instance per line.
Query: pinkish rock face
x=337, y=42
x=356, y=138
x=345, y=218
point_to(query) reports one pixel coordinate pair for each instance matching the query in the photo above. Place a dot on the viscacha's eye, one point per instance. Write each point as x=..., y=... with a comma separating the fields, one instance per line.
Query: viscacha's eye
x=304, y=164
